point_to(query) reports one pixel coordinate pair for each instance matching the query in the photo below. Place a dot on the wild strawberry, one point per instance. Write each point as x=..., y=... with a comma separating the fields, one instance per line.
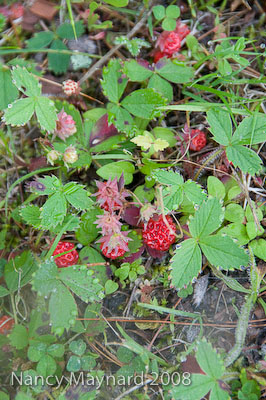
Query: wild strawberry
x=6, y=324
x=157, y=234
x=198, y=140
x=114, y=245
x=169, y=43
x=70, y=87
x=115, y=253
x=67, y=259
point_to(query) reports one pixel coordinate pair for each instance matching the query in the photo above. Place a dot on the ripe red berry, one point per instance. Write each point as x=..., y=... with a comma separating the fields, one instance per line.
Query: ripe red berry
x=112, y=254
x=157, y=234
x=67, y=259
x=198, y=140
x=6, y=324
x=71, y=87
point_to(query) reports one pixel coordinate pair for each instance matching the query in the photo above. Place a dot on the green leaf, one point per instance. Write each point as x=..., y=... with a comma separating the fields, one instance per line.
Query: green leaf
x=77, y=196
x=74, y=364
x=36, y=351
x=110, y=286
x=19, y=112
x=52, y=184
x=174, y=72
x=65, y=31
x=46, y=113
x=8, y=90
x=18, y=271
x=244, y=158
x=238, y=231
x=87, y=231
x=143, y=103
x=136, y=72
x=218, y=393
x=31, y=215
x=167, y=177
x=123, y=121
x=45, y=278
x=94, y=327
x=26, y=82
x=199, y=387
x=162, y=86
x=207, y=218
x=116, y=169
x=215, y=187
x=209, y=361
x=87, y=363
x=172, y=197
x=90, y=255
x=19, y=337
x=58, y=62
x=62, y=308
x=251, y=130
x=81, y=282
x=113, y=83
x=40, y=40
x=53, y=211
x=158, y=12
x=46, y=366
x=259, y=248
x=172, y=11
x=3, y=291
x=169, y=24
x=56, y=350
x=186, y=263
x=194, y=192
x=234, y=213
x=222, y=251
x=220, y=125
x=77, y=347
x=164, y=133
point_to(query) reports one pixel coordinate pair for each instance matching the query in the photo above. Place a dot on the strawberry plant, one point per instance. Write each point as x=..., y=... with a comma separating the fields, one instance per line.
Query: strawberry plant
x=132, y=200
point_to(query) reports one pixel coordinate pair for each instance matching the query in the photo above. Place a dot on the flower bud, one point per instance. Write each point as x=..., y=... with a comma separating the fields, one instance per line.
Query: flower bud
x=52, y=156
x=70, y=155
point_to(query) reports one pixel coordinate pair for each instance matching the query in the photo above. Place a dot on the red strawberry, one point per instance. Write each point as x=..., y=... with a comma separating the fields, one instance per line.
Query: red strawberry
x=68, y=259
x=70, y=87
x=6, y=324
x=198, y=140
x=157, y=234
x=112, y=254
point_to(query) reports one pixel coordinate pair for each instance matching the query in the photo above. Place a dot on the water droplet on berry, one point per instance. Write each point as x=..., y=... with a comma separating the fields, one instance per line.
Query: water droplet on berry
x=9, y=106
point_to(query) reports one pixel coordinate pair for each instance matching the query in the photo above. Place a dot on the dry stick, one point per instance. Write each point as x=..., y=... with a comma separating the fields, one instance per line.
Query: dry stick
x=103, y=60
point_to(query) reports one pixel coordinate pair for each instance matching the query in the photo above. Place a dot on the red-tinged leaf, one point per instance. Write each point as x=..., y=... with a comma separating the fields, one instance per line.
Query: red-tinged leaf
x=132, y=215
x=101, y=131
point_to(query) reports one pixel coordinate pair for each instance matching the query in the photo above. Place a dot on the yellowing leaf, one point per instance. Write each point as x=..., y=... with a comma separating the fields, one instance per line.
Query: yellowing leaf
x=160, y=144
x=145, y=141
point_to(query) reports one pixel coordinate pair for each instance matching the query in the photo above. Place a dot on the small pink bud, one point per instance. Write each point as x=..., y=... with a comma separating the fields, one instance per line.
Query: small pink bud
x=65, y=125
x=52, y=156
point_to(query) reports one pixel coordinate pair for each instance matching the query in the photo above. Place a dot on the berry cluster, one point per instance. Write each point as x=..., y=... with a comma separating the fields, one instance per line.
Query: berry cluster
x=169, y=43
x=157, y=234
x=111, y=197
x=68, y=259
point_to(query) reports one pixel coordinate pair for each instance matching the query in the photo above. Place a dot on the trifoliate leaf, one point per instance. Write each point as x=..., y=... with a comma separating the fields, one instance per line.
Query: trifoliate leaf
x=207, y=218
x=40, y=40
x=19, y=337
x=8, y=90
x=81, y=282
x=77, y=196
x=45, y=279
x=222, y=251
x=26, y=82
x=115, y=169
x=186, y=263
x=31, y=215
x=113, y=83
x=220, y=125
x=62, y=308
x=58, y=62
x=53, y=211
x=144, y=141
x=136, y=72
x=244, y=158
x=19, y=112
x=251, y=130
x=46, y=113
x=144, y=103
